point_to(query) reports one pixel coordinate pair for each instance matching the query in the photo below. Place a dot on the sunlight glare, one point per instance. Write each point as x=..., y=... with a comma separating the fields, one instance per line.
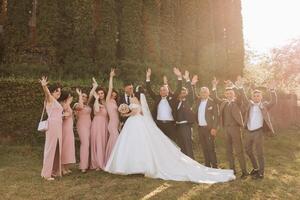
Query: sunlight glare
x=270, y=23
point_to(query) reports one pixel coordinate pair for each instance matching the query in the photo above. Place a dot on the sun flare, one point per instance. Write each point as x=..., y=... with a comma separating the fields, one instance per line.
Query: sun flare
x=270, y=23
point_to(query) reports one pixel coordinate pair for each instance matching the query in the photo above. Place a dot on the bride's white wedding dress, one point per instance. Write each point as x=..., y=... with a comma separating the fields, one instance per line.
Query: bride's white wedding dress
x=142, y=148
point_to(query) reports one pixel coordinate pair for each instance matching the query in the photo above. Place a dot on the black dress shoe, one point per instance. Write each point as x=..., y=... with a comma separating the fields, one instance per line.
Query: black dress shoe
x=258, y=176
x=244, y=175
x=254, y=172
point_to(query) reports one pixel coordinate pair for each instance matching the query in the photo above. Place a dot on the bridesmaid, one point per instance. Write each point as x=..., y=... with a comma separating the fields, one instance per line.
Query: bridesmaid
x=83, y=114
x=53, y=141
x=68, y=140
x=112, y=109
x=99, y=132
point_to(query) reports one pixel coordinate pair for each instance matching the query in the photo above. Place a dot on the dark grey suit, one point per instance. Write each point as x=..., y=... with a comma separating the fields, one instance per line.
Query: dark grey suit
x=232, y=121
x=207, y=141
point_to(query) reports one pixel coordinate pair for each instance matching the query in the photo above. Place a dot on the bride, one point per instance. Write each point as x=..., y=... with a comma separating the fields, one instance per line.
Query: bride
x=142, y=148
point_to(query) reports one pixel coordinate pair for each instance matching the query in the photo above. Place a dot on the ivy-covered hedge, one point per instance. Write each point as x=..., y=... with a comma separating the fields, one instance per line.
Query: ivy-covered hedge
x=76, y=38
x=21, y=104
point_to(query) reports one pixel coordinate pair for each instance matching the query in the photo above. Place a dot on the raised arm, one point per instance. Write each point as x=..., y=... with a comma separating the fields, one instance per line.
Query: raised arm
x=95, y=85
x=191, y=94
x=241, y=91
x=214, y=95
x=165, y=82
x=44, y=83
x=148, y=84
x=177, y=72
x=96, y=103
x=79, y=104
x=110, y=84
x=273, y=94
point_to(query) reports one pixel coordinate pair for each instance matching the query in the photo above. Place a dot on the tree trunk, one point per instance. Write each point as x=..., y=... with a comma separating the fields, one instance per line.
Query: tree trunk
x=32, y=25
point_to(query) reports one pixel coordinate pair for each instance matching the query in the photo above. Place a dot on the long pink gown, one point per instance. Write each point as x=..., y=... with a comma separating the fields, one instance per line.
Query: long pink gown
x=113, y=125
x=99, y=136
x=68, y=140
x=52, y=151
x=84, y=131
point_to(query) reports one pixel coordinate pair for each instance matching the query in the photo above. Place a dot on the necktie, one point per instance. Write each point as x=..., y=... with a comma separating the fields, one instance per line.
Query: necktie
x=128, y=102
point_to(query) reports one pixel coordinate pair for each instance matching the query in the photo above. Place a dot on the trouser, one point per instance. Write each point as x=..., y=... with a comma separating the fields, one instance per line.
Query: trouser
x=169, y=129
x=185, y=139
x=207, y=142
x=255, y=139
x=234, y=142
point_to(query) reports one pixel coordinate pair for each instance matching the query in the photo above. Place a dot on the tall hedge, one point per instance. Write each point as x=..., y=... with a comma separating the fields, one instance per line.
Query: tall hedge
x=83, y=38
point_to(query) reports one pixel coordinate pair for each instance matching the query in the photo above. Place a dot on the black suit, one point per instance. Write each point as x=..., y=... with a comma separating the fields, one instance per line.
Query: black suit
x=167, y=127
x=207, y=141
x=185, y=118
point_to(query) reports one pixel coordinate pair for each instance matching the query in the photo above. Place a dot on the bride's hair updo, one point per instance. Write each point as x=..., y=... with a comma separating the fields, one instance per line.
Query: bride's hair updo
x=138, y=91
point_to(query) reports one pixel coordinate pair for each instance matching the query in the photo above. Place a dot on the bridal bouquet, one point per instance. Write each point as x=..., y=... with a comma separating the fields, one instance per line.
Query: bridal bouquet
x=123, y=108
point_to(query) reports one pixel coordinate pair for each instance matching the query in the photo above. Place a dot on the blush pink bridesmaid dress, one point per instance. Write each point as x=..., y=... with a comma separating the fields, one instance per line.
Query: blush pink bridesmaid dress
x=99, y=137
x=113, y=125
x=53, y=141
x=68, y=140
x=84, y=131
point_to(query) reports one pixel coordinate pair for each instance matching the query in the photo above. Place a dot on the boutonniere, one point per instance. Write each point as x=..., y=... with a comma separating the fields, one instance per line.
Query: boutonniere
x=210, y=108
x=170, y=98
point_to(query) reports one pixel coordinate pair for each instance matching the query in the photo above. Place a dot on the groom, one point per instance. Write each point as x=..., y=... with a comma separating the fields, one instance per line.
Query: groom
x=125, y=99
x=164, y=112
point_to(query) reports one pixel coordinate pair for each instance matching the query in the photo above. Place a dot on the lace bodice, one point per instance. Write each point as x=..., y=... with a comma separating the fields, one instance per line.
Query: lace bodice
x=136, y=107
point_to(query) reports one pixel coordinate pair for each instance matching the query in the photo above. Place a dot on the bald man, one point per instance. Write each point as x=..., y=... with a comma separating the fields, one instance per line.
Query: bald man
x=207, y=121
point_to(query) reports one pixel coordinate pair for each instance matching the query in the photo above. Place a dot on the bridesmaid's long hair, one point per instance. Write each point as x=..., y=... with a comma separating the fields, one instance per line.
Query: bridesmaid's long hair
x=64, y=96
x=54, y=86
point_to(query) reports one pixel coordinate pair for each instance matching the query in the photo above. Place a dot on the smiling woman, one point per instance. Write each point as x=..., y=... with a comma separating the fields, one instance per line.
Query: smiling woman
x=270, y=23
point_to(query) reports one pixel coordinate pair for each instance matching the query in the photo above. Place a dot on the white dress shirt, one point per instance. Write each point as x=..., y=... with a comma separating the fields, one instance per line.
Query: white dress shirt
x=256, y=119
x=164, y=110
x=201, y=113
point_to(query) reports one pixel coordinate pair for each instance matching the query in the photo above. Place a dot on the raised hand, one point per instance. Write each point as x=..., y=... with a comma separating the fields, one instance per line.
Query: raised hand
x=194, y=80
x=148, y=73
x=177, y=72
x=95, y=84
x=78, y=91
x=43, y=81
x=165, y=80
x=239, y=82
x=186, y=75
x=112, y=73
x=214, y=82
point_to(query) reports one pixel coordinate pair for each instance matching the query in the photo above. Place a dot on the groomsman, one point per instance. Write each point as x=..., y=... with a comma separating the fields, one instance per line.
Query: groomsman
x=257, y=121
x=232, y=121
x=184, y=115
x=125, y=98
x=207, y=121
x=163, y=111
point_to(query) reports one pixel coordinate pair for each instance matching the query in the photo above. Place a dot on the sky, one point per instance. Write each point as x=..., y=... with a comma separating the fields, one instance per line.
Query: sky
x=270, y=23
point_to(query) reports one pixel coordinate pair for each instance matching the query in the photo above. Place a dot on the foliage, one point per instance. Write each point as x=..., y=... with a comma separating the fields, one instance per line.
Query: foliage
x=79, y=39
x=282, y=64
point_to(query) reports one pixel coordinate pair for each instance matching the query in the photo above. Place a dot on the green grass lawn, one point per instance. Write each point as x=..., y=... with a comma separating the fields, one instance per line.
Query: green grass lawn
x=20, y=168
